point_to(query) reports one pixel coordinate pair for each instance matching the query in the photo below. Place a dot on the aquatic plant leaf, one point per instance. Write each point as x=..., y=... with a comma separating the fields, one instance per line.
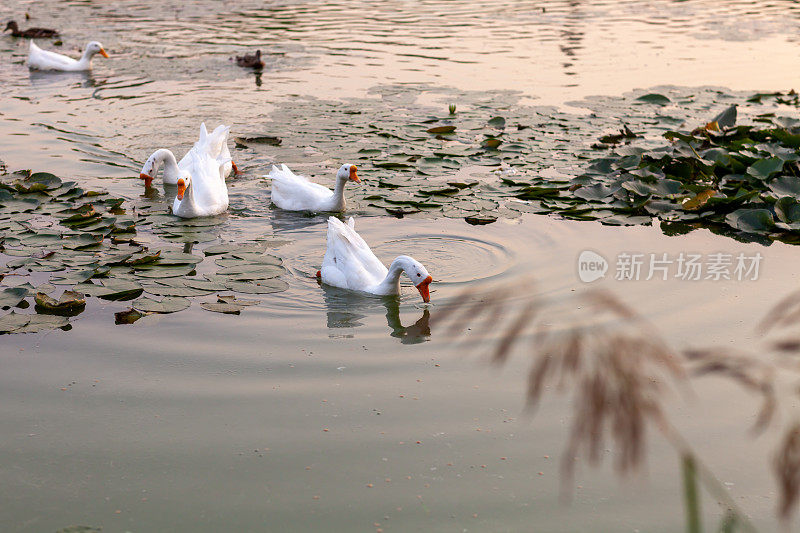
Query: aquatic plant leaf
x=442, y=129
x=77, y=276
x=227, y=308
x=698, y=200
x=595, y=192
x=165, y=305
x=727, y=118
x=39, y=323
x=12, y=322
x=247, y=140
x=764, y=168
x=127, y=317
x=480, y=220
x=497, y=122
x=787, y=209
x=156, y=271
x=785, y=186
x=654, y=98
x=751, y=220
x=144, y=258
x=231, y=299
x=70, y=303
x=262, y=287
x=12, y=296
x=111, y=289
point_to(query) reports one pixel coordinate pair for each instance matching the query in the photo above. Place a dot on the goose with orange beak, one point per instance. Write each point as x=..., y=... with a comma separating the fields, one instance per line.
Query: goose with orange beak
x=293, y=192
x=201, y=193
x=350, y=264
x=214, y=144
x=39, y=59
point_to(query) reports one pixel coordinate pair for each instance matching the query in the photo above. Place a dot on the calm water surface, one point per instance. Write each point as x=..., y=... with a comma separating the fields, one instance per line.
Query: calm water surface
x=320, y=409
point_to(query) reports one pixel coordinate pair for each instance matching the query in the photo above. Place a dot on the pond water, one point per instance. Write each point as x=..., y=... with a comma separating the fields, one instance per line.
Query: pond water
x=322, y=409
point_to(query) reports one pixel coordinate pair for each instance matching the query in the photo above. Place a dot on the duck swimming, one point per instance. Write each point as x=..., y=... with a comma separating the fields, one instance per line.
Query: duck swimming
x=296, y=193
x=30, y=33
x=39, y=59
x=350, y=264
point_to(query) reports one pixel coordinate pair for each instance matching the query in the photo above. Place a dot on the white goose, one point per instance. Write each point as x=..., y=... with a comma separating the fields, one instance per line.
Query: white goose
x=201, y=191
x=350, y=264
x=295, y=193
x=216, y=145
x=39, y=59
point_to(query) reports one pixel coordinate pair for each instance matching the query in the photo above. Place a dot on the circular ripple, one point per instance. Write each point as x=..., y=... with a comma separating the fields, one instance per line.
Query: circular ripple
x=451, y=258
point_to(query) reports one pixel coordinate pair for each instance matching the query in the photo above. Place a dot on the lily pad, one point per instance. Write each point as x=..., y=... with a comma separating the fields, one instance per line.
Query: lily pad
x=70, y=303
x=12, y=296
x=230, y=309
x=751, y=220
x=165, y=305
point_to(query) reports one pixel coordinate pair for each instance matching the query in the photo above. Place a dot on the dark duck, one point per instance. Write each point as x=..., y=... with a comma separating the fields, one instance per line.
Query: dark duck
x=250, y=60
x=30, y=33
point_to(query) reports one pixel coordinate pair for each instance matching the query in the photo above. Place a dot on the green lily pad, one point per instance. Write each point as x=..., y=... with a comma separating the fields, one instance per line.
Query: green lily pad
x=654, y=98
x=230, y=309
x=751, y=220
x=111, y=289
x=127, y=317
x=497, y=122
x=442, y=129
x=70, y=303
x=12, y=296
x=764, y=168
x=262, y=287
x=166, y=305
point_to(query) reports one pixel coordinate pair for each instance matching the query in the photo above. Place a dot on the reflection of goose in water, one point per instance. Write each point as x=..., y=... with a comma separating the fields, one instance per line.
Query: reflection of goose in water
x=290, y=221
x=419, y=331
x=348, y=309
x=41, y=78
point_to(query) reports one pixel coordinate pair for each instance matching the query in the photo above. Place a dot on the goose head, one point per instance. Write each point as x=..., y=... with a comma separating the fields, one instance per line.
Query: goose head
x=12, y=25
x=94, y=48
x=150, y=170
x=418, y=275
x=184, y=182
x=347, y=172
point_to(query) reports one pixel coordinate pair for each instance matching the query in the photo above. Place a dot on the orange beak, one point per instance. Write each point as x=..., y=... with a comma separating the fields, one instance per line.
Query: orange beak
x=235, y=169
x=353, y=175
x=148, y=180
x=424, y=289
x=181, y=188
x=103, y=53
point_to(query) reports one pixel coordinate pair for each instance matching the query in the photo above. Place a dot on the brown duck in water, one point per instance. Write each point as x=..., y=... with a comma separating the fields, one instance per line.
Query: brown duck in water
x=30, y=33
x=250, y=60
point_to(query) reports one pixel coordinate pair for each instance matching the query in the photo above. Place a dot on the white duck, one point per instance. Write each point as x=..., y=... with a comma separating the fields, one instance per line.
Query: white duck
x=296, y=193
x=350, y=264
x=201, y=191
x=216, y=145
x=39, y=59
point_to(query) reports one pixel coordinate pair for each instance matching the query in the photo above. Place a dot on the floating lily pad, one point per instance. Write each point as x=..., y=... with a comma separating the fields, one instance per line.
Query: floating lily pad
x=12, y=322
x=127, y=317
x=230, y=309
x=70, y=303
x=12, y=296
x=111, y=289
x=262, y=287
x=165, y=305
